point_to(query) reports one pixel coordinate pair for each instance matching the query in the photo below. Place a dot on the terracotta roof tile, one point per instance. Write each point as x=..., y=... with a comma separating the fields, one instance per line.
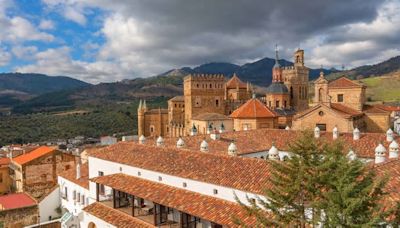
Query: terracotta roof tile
x=344, y=82
x=375, y=109
x=210, y=208
x=16, y=200
x=234, y=82
x=115, y=217
x=4, y=161
x=247, y=174
x=261, y=140
x=345, y=110
x=253, y=108
x=71, y=175
x=390, y=169
x=37, y=153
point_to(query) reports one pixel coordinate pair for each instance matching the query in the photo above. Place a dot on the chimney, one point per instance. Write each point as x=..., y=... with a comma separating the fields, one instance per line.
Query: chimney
x=287, y=128
x=193, y=131
x=180, y=143
x=380, y=151
x=351, y=155
x=204, y=146
x=78, y=169
x=356, y=134
x=232, y=149
x=142, y=139
x=394, y=149
x=273, y=153
x=389, y=135
x=209, y=129
x=335, y=133
x=215, y=134
x=317, y=132
x=222, y=128
x=160, y=141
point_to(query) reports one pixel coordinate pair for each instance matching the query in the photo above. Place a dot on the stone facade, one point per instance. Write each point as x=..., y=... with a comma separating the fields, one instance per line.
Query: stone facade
x=254, y=123
x=18, y=218
x=39, y=176
x=341, y=103
x=202, y=94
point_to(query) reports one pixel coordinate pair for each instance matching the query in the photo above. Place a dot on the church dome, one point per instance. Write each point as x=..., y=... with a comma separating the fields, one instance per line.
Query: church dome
x=277, y=88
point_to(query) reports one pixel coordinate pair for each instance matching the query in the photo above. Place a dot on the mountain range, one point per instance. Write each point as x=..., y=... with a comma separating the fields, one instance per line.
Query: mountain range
x=35, y=92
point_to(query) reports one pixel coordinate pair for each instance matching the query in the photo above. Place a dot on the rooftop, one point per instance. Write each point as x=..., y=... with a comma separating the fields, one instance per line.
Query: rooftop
x=253, y=108
x=206, y=207
x=235, y=82
x=246, y=174
x=115, y=217
x=4, y=161
x=262, y=140
x=177, y=98
x=71, y=176
x=210, y=116
x=344, y=82
x=37, y=153
x=15, y=201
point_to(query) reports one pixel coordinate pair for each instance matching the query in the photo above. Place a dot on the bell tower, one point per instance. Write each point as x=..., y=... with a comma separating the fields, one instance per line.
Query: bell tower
x=299, y=57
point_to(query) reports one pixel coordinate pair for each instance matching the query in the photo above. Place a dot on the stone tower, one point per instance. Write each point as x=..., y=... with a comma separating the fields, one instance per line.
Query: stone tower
x=296, y=80
x=142, y=108
x=277, y=96
x=203, y=94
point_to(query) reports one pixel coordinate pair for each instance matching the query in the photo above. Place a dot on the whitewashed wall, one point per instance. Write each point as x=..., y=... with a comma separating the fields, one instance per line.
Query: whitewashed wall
x=48, y=206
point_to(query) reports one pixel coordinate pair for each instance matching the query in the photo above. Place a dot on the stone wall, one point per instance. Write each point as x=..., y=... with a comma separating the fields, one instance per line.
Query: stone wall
x=352, y=97
x=377, y=122
x=19, y=218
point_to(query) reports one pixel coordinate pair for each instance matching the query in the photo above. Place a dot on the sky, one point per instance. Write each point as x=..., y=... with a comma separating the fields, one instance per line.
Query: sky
x=104, y=41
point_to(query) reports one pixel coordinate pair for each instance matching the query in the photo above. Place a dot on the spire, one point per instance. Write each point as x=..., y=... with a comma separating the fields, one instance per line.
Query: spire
x=144, y=105
x=276, y=57
x=140, y=105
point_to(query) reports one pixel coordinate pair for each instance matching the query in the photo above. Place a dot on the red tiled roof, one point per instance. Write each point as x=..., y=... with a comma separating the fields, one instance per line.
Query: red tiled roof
x=4, y=161
x=390, y=169
x=234, y=82
x=71, y=175
x=247, y=174
x=253, y=108
x=16, y=200
x=262, y=139
x=345, y=110
x=209, y=208
x=344, y=82
x=115, y=217
x=37, y=153
x=375, y=109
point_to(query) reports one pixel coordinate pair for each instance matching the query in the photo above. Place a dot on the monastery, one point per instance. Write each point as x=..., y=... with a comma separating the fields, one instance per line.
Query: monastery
x=210, y=102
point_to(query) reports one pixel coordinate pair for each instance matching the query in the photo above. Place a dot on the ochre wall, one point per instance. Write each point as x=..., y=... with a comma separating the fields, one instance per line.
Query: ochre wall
x=310, y=120
x=238, y=124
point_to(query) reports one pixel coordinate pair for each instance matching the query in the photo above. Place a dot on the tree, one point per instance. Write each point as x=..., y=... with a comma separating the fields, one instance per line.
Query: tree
x=318, y=185
x=296, y=187
x=353, y=193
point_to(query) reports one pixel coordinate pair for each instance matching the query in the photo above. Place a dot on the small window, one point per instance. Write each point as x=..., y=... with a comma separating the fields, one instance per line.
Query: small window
x=284, y=104
x=139, y=173
x=340, y=97
x=1, y=177
x=253, y=201
x=217, y=103
x=66, y=193
x=151, y=129
x=160, y=178
x=120, y=169
x=321, y=113
x=215, y=191
x=74, y=195
x=277, y=104
x=101, y=173
x=322, y=127
x=197, y=85
x=83, y=200
x=184, y=184
x=175, y=105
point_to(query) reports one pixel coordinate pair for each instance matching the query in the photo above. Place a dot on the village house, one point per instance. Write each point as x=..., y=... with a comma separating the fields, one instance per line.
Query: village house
x=18, y=210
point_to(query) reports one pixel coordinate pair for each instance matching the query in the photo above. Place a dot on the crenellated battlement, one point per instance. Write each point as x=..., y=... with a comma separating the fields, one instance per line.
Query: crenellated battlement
x=205, y=77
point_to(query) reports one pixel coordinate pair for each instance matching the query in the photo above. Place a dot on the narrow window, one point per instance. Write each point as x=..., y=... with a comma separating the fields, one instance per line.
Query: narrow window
x=217, y=103
x=184, y=184
x=215, y=191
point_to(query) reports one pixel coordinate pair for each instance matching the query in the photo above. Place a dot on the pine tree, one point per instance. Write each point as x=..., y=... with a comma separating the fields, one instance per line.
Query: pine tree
x=295, y=187
x=318, y=185
x=352, y=192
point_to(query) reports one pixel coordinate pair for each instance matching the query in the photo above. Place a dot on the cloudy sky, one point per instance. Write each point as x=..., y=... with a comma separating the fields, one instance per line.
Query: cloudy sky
x=104, y=40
